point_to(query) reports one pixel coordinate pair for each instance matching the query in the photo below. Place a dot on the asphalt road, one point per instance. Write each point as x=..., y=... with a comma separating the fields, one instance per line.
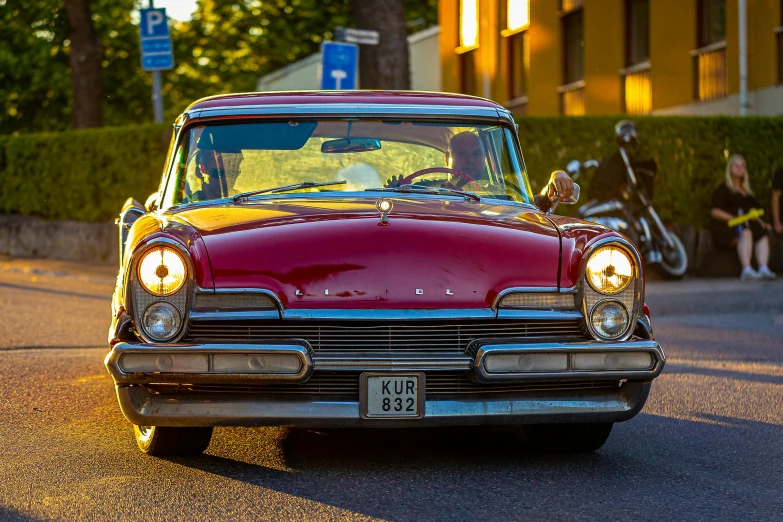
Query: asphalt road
x=709, y=443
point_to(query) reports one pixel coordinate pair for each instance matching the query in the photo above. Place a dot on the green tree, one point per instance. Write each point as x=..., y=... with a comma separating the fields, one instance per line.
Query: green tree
x=229, y=44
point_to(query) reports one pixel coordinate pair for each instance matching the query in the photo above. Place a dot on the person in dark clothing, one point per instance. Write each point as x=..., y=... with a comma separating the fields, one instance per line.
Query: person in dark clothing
x=610, y=178
x=775, y=201
x=733, y=198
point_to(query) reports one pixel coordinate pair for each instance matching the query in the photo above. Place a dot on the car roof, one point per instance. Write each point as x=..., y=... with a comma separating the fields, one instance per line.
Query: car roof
x=388, y=98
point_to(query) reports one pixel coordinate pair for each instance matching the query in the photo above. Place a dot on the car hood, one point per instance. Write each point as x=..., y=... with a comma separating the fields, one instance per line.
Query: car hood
x=322, y=252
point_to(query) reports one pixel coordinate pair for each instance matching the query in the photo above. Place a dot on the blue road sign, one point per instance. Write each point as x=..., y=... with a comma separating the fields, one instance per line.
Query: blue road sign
x=153, y=23
x=156, y=52
x=339, y=66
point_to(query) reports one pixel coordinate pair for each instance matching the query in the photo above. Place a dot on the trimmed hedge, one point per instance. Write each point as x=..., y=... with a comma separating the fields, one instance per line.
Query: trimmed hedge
x=691, y=153
x=81, y=175
x=86, y=175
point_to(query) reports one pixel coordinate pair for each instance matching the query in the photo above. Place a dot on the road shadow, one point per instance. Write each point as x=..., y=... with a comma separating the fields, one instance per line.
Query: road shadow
x=472, y=473
x=9, y=514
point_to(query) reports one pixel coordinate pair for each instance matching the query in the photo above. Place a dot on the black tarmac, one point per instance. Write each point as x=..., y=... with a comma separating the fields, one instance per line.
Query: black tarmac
x=708, y=445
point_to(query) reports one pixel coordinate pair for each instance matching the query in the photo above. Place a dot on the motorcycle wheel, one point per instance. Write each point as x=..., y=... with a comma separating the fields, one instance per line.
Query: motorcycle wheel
x=675, y=260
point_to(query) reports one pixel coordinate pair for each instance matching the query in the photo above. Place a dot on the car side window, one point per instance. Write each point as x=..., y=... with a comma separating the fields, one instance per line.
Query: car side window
x=176, y=178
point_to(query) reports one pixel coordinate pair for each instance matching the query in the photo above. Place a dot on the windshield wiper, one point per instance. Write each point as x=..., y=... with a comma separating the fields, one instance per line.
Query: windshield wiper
x=422, y=189
x=285, y=188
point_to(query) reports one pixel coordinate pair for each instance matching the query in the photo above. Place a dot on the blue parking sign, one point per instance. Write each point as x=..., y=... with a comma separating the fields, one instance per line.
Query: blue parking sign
x=156, y=51
x=153, y=23
x=339, y=66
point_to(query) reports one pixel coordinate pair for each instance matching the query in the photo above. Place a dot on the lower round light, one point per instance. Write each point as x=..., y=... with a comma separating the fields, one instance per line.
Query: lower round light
x=609, y=319
x=161, y=321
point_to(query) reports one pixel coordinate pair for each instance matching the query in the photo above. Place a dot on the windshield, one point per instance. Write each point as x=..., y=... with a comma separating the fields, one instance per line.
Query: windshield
x=221, y=161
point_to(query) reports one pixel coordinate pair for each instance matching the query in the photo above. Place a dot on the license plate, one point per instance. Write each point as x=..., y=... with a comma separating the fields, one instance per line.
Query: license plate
x=392, y=395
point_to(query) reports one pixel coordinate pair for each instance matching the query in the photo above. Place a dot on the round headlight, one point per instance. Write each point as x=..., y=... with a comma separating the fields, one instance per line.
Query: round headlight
x=161, y=321
x=609, y=319
x=162, y=271
x=609, y=270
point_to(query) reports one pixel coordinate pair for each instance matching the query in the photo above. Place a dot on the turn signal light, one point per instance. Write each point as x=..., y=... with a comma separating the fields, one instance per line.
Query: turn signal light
x=612, y=361
x=256, y=363
x=528, y=362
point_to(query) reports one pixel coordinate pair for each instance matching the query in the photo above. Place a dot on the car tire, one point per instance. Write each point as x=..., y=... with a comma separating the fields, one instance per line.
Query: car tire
x=567, y=438
x=163, y=441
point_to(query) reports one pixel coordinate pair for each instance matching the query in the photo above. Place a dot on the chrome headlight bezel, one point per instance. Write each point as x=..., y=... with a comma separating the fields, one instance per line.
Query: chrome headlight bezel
x=137, y=298
x=631, y=297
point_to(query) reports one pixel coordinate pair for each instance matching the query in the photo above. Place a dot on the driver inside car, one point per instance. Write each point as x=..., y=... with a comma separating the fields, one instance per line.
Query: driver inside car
x=209, y=176
x=466, y=154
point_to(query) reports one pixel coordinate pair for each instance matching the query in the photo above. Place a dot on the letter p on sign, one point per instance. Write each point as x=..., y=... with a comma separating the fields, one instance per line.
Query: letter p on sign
x=154, y=18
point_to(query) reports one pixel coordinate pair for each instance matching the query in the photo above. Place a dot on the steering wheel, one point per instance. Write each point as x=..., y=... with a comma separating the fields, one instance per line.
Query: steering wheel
x=470, y=183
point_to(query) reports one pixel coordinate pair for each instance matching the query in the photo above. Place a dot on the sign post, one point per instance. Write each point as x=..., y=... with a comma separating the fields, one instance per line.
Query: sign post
x=156, y=51
x=339, y=66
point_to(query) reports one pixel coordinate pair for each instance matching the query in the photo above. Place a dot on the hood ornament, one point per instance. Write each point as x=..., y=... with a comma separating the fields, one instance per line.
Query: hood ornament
x=384, y=206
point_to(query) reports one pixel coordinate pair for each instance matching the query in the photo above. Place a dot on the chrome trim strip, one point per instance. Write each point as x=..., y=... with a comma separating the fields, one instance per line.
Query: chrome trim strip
x=638, y=307
x=490, y=347
x=369, y=110
x=532, y=313
x=234, y=315
x=409, y=361
x=297, y=347
x=299, y=314
x=140, y=406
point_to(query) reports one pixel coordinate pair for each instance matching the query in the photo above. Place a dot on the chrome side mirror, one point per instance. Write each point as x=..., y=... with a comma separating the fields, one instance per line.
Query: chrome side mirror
x=565, y=201
x=151, y=205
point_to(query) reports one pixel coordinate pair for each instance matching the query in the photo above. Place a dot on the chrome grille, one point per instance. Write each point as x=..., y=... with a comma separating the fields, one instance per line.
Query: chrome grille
x=345, y=385
x=366, y=336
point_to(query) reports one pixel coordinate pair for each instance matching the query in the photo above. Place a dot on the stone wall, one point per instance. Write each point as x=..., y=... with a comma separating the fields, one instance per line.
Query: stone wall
x=25, y=236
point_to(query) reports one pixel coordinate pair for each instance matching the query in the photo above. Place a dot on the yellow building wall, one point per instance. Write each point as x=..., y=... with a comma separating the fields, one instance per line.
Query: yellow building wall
x=546, y=58
x=672, y=38
x=604, y=30
x=763, y=17
x=449, y=38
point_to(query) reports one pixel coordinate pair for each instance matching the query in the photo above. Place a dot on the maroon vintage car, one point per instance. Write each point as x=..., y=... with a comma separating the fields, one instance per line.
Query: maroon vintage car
x=369, y=259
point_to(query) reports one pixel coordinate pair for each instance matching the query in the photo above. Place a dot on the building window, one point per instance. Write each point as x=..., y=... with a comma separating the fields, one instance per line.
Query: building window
x=572, y=93
x=637, y=88
x=570, y=5
x=572, y=100
x=709, y=60
x=516, y=14
x=779, y=35
x=637, y=31
x=467, y=72
x=468, y=25
x=712, y=22
x=573, y=47
x=637, y=91
x=780, y=54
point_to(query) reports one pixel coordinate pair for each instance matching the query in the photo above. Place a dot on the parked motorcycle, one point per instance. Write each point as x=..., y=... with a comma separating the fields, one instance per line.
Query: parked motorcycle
x=631, y=213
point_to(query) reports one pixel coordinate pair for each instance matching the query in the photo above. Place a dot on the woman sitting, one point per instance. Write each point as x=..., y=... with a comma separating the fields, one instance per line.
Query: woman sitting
x=732, y=199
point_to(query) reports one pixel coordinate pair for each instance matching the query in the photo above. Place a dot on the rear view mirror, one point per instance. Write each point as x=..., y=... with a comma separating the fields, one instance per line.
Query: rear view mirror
x=341, y=145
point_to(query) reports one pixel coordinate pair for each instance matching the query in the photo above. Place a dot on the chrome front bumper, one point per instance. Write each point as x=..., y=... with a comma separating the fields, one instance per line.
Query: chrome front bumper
x=141, y=406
